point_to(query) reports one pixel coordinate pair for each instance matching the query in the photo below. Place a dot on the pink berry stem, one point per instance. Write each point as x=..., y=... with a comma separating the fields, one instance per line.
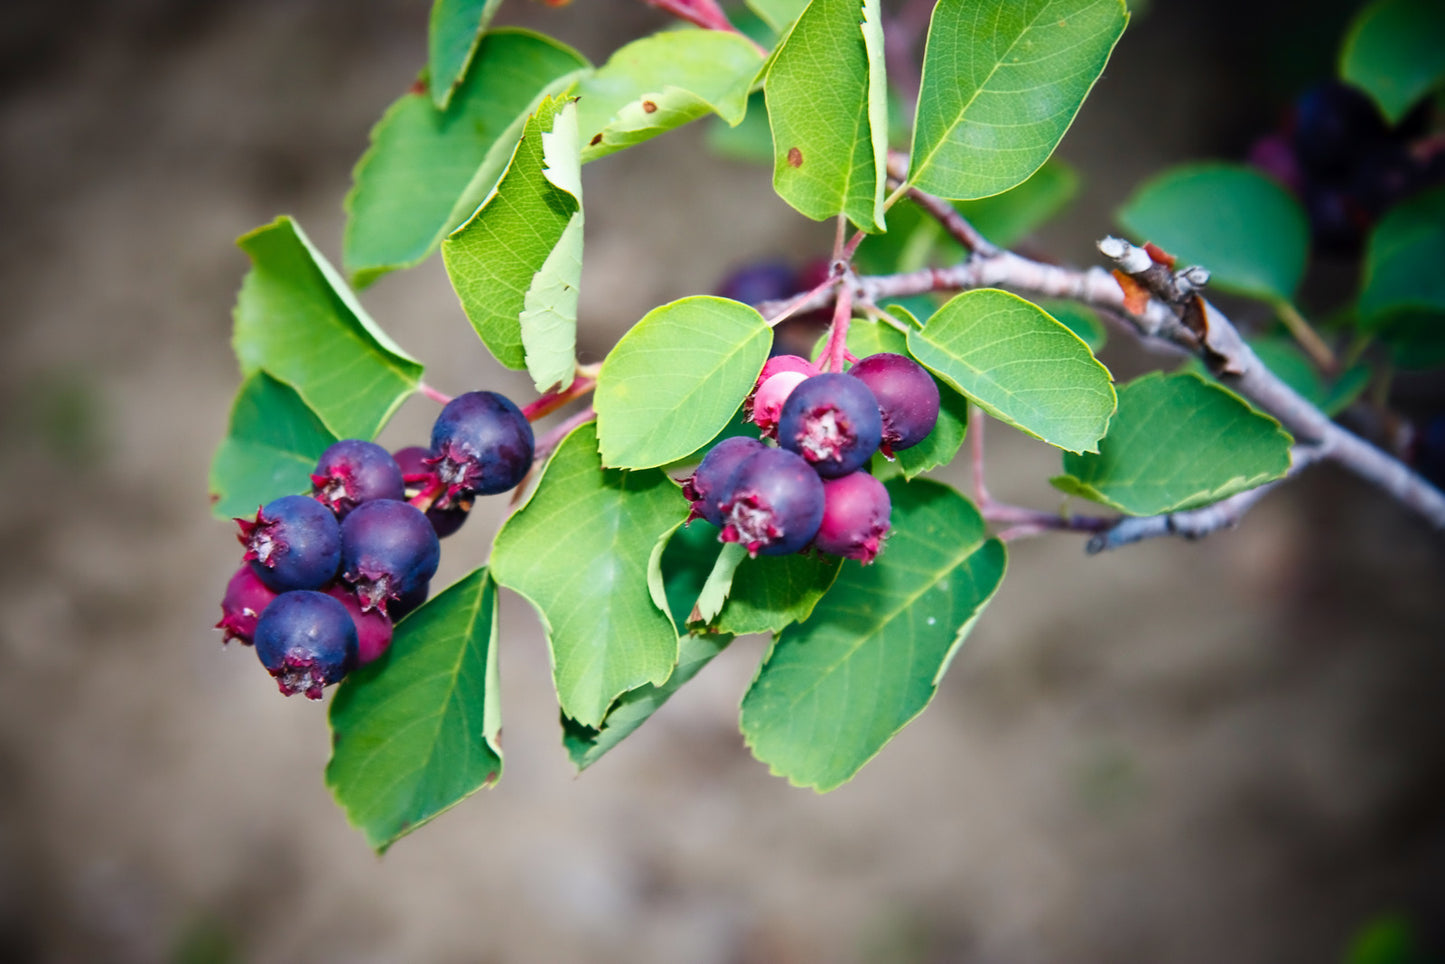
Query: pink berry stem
x=552, y=401
x=441, y=398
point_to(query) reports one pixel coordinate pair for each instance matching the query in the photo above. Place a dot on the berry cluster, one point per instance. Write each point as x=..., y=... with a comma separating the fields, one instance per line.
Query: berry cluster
x=813, y=489
x=325, y=576
x=1345, y=163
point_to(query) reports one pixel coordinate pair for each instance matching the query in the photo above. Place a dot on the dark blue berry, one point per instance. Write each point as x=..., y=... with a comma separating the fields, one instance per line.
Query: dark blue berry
x=752, y=284
x=832, y=420
x=388, y=549
x=481, y=443
x=774, y=503
x=307, y=641
x=409, y=601
x=293, y=543
x=351, y=472
x=1334, y=126
x=420, y=478
x=706, y=487
x=907, y=398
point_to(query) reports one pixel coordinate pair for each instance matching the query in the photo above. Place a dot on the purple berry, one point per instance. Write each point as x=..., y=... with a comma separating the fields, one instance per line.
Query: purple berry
x=307, y=641
x=245, y=599
x=832, y=421
x=752, y=284
x=373, y=630
x=706, y=487
x=774, y=503
x=444, y=519
x=481, y=443
x=388, y=548
x=351, y=472
x=907, y=398
x=409, y=601
x=293, y=543
x=855, y=517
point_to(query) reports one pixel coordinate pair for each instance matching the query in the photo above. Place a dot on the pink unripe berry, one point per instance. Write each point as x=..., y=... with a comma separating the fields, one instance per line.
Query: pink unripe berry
x=776, y=365
x=245, y=599
x=769, y=399
x=373, y=630
x=907, y=398
x=855, y=517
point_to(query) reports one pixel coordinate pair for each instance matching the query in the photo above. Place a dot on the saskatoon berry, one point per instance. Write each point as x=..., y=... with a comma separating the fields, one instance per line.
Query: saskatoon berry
x=245, y=599
x=706, y=488
x=774, y=503
x=445, y=520
x=1334, y=124
x=855, y=517
x=401, y=608
x=907, y=398
x=482, y=443
x=753, y=284
x=832, y=421
x=306, y=640
x=768, y=402
x=351, y=472
x=293, y=543
x=373, y=630
x=387, y=550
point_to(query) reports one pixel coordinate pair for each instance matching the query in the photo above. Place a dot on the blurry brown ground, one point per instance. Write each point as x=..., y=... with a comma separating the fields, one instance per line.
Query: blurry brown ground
x=1227, y=751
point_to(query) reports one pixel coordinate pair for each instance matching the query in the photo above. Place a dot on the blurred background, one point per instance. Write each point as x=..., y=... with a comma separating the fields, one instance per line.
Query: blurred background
x=1223, y=751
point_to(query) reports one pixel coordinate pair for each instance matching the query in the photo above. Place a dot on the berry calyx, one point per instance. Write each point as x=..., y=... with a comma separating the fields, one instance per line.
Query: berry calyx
x=373, y=630
x=774, y=504
x=907, y=398
x=307, y=641
x=293, y=543
x=445, y=520
x=351, y=472
x=388, y=549
x=245, y=600
x=481, y=443
x=706, y=487
x=855, y=517
x=832, y=420
x=769, y=399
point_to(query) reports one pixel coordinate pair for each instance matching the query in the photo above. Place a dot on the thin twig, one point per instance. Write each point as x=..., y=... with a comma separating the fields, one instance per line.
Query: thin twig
x=940, y=210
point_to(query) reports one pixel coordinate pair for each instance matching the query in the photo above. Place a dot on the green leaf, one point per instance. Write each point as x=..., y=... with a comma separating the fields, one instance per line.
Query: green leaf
x=1082, y=321
x=1002, y=81
x=719, y=582
x=453, y=33
x=1416, y=339
x=516, y=264
x=1249, y=231
x=586, y=745
x=1395, y=50
x=579, y=552
x=687, y=561
x=416, y=732
x=270, y=449
x=427, y=170
x=672, y=383
x=1008, y=218
x=750, y=141
x=771, y=592
x=833, y=690
x=1403, y=263
x=664, y=81
x=942, y=444
x=1177, y=442
x=827, y=102
x=778, y=14
x=1013, y=360
x=296, y=318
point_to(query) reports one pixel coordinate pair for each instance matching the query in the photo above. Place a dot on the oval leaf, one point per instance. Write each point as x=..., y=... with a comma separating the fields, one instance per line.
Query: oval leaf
x=664, y=81
x=1395, y=50
x=1002, y=81
x=416, y=732
x=296, y=318
x=1403, y=264
x=673, y=382
x=270, y=449
x=517, y=262
x=1178, y=442
x=827, y=102
x=427, y=170
x=453, y=33
x=1249, y=231
x=769, y=593
x=579, y=552
x=833, y=690
x=1021, y=366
